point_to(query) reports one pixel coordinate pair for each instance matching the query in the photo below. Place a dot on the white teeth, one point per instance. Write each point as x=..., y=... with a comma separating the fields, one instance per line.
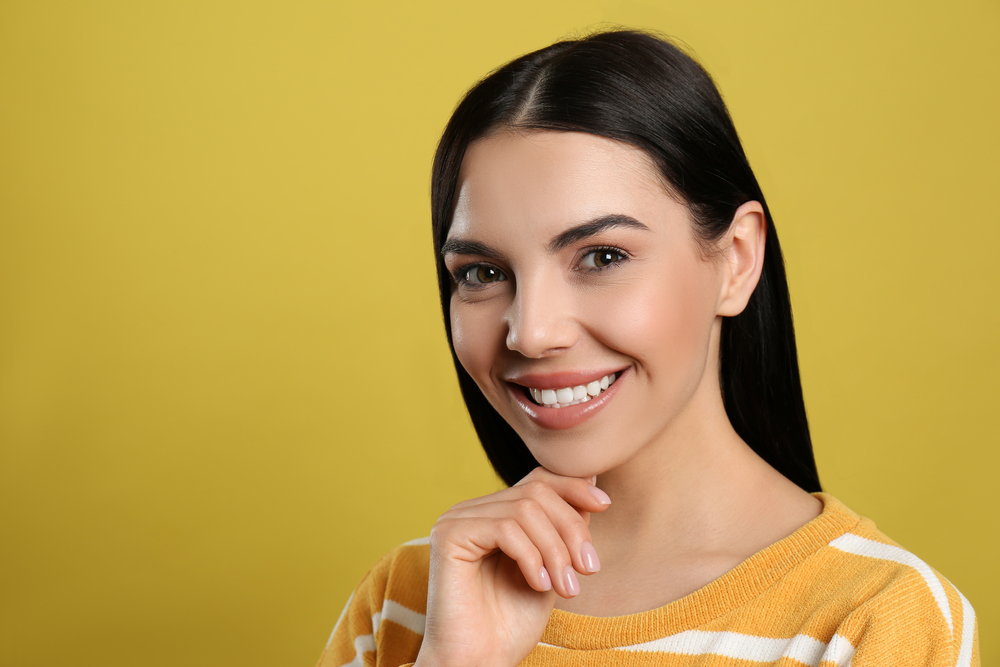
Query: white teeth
x=566, y=396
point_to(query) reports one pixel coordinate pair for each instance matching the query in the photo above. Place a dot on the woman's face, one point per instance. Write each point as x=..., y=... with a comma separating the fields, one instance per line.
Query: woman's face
x=572, y=264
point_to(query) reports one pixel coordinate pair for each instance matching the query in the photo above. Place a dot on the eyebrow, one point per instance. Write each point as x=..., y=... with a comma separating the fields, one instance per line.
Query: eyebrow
x=593, y=228
x=565, y=239
x=464, y=247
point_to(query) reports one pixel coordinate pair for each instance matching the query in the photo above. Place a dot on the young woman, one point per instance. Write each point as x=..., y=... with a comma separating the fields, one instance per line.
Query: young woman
x=615, y=299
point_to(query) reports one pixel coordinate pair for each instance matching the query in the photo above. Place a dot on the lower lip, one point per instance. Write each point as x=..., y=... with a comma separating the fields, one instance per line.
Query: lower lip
x=568, y=417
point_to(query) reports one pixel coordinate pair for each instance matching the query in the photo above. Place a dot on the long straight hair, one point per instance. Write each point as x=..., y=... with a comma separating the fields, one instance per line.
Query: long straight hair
x=639, y=89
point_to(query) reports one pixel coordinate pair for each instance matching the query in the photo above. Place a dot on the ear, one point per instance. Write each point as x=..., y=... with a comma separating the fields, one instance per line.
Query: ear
x=742, y=251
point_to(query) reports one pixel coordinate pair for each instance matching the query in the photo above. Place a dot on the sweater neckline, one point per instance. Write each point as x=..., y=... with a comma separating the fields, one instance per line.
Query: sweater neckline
x=733, y=589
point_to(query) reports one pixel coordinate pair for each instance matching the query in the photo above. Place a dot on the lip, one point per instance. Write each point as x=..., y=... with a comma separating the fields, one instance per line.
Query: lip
x=574, y=415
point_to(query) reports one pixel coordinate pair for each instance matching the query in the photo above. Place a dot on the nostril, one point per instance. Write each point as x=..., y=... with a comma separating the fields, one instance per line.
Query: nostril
x=540, y=330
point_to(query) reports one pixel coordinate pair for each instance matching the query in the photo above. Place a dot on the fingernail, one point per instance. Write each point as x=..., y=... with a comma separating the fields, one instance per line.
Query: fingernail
x=569, y=578
x=546, y=582
x=601, y=497
x=590, y=559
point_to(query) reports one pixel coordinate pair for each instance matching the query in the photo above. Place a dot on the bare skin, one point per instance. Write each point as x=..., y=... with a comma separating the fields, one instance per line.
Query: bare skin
x=542, y=293
x=488, y=599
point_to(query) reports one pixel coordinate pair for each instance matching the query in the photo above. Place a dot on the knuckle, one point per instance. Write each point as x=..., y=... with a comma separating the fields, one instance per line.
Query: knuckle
x=579, y=525
x=444, y=517
x=576, y=520
x=527, y=508
x=580, y=533
x=438, y=533
x=508, y=527
x=443, y=525
x=536, y=488
x=558, y=556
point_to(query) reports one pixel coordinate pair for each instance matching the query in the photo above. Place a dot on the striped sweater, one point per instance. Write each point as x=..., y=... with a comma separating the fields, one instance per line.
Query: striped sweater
x=835, y=592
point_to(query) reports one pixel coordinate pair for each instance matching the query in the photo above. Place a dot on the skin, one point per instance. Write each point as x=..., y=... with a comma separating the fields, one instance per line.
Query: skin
x=690, y=499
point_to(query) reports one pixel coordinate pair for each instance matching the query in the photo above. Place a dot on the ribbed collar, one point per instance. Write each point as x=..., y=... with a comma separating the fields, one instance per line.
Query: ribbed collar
x=730, y=591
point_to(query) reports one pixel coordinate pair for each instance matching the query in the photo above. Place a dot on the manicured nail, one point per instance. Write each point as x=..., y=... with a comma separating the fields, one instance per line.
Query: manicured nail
x=601, y=497
x=569, y=578
x=590, y=559
x=546, y=582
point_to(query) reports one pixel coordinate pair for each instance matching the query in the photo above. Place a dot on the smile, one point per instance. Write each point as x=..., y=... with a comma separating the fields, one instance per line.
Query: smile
x=565, y=400
x=567, y=396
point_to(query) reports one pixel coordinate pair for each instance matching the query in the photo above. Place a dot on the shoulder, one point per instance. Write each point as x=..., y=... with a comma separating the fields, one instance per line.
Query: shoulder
x=400, y=577
x=386, y=613
x=895, y=603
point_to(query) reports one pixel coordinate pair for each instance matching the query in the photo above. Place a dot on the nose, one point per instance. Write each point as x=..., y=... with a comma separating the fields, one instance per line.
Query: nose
x=540, y=320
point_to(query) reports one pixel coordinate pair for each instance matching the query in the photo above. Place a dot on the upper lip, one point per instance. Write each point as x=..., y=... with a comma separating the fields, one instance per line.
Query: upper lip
x=559, y=380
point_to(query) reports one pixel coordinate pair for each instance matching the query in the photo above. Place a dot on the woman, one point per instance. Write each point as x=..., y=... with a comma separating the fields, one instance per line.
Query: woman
x=616, y=304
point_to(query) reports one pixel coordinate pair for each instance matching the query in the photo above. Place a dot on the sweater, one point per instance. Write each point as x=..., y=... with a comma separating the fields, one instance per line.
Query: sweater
x=835, y=592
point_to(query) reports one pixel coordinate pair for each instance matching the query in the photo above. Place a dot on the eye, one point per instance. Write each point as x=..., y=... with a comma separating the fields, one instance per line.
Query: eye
x=480, y=274
x=601, y=258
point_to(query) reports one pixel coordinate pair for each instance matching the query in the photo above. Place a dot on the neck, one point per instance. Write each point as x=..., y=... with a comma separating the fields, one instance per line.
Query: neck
x=690, y=477
x=687, y=508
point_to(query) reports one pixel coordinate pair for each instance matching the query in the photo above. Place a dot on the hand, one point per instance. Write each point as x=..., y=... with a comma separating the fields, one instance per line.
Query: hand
x=497, y=564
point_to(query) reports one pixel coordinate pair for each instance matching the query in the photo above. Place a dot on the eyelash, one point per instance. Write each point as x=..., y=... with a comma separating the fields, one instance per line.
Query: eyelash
x=624, y=257
x=462, y=271
x=459, y=274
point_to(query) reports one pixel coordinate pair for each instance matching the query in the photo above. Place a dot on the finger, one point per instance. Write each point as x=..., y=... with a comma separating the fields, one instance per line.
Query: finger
x=584, y=514
x=576, y=491
x=472, y=539
x=537, y=524
x=567, y=501
x=523, y=501
x=570, y=523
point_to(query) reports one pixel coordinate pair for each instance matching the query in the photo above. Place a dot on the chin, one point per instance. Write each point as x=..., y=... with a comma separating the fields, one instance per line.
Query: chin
x=573, y=463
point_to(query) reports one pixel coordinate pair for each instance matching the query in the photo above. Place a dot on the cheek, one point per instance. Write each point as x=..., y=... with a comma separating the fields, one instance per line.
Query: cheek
x=664, y=324
x=478, y=337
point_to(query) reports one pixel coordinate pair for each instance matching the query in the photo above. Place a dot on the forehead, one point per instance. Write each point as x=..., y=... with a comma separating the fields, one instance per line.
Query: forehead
x=547, y=181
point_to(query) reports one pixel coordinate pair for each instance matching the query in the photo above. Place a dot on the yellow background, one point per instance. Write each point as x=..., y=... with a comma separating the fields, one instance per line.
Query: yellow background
x=224, y=385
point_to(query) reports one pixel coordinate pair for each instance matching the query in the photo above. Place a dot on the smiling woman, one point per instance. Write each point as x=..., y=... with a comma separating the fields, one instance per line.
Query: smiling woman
x=558, y=325
x=618, y=312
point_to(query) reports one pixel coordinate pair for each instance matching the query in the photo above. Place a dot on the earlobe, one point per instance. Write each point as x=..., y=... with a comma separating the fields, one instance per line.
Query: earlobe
x=744, y=257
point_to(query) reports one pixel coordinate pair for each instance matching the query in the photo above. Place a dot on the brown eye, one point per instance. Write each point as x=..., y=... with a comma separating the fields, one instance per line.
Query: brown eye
x=486, y=274
x=602, y=257
x=483, y=275
x=605, y=258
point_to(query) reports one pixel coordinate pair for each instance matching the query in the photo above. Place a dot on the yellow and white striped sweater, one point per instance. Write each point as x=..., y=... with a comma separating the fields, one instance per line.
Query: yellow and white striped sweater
x=835, y=592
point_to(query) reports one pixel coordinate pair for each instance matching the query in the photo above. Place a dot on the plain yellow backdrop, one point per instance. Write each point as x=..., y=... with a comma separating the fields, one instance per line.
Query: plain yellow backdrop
x=224, y=385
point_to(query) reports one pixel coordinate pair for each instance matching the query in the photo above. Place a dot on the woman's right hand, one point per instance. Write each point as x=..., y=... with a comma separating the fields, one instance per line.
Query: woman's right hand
x=497, y=564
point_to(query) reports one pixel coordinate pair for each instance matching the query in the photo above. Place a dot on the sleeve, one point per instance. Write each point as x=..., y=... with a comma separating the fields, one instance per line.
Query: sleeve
x=352, y=641
x=914, y=625
x=373, y=629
